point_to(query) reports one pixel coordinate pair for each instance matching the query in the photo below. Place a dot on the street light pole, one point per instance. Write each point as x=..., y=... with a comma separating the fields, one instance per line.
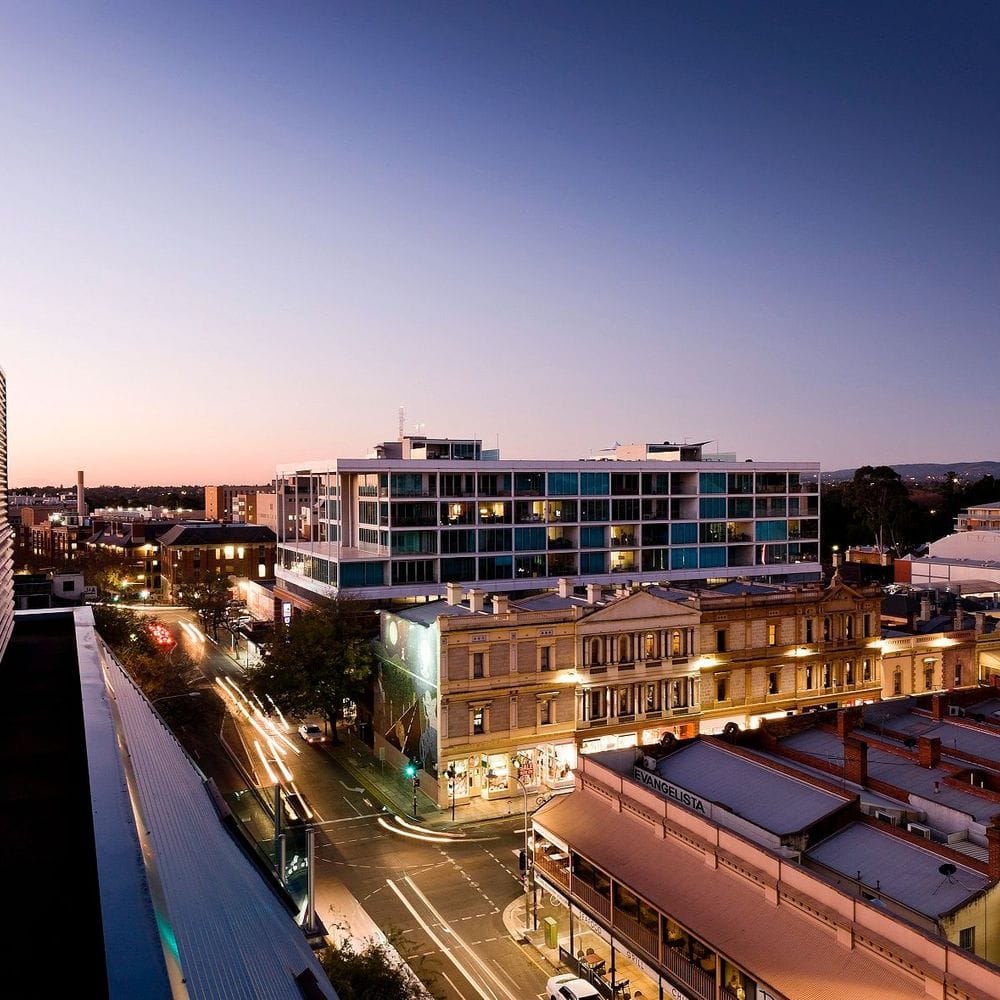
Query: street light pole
x=528, y=861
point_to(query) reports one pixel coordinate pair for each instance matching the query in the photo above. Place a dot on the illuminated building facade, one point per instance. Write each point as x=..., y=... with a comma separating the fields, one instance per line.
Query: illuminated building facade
x=422, y=514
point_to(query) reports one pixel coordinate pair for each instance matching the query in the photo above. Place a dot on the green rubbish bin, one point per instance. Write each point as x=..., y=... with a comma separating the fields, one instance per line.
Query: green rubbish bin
x=551, y=932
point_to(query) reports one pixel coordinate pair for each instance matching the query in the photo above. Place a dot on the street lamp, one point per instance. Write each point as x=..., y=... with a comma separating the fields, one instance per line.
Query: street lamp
x=529, y=868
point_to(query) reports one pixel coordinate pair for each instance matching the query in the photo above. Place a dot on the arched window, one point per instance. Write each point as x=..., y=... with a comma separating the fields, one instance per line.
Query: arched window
x=649, y=646
x=624, y=649
x=675, y=643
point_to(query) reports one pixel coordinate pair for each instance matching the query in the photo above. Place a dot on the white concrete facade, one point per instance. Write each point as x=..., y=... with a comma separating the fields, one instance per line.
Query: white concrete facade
x=397, y=527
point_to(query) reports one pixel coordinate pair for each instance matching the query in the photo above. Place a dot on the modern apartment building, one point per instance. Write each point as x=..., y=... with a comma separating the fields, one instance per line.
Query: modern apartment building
x=422, y=513
x=6, y=538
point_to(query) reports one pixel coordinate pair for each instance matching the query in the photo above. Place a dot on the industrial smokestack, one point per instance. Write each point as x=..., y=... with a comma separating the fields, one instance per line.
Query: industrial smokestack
x=81, y=505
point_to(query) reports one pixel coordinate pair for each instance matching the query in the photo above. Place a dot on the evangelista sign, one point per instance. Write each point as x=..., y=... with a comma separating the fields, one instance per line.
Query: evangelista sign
x=664, y=787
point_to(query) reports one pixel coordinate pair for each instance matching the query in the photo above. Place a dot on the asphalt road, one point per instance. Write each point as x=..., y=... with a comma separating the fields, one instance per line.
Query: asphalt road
x=439, y=896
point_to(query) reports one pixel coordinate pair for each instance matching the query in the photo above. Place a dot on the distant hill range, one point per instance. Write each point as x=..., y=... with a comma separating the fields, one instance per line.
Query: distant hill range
x=967, y=472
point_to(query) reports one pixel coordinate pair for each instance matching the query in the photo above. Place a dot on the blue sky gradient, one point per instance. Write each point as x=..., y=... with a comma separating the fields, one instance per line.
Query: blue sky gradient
x=242, y=234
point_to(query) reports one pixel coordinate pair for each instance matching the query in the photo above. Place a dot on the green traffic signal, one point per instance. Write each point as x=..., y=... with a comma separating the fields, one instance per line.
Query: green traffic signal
x=410, y=770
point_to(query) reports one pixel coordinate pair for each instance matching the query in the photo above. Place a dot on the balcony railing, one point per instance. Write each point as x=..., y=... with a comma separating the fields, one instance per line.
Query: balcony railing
x=592, y=898
x=642, y=937
x=554, y=871
x=702, y=982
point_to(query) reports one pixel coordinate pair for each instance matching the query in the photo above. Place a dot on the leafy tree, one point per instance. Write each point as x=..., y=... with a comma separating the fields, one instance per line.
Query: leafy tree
x=104, y=568
x=159, y=672
x=208, y=598
x=371, y=972
x=879, y=500
x=324, y=656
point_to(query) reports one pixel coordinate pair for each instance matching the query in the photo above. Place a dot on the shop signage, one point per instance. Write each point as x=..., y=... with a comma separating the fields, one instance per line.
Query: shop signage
x=664, y=787
x=591, y=923
x=636, y=961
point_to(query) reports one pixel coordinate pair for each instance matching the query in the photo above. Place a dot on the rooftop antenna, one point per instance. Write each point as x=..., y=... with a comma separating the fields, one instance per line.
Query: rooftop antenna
x=948, y=871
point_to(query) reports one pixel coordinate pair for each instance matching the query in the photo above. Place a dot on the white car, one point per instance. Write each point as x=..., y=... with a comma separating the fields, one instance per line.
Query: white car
x=569, y=987
x=311, y=733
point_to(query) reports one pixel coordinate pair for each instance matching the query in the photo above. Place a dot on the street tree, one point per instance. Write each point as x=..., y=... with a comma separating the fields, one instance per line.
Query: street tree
x=209, y=599
x=159, y=671
x=322, y=657
x=373, y=970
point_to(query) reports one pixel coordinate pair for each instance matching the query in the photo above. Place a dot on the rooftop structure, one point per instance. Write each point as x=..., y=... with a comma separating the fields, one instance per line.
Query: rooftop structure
x=421, y=515
x=876, y=828
x=111, y=826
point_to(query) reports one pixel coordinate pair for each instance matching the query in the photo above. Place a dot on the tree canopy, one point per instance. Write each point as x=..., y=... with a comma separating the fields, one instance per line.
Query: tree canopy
x=209, y=599
x=369, y=973
x=322, y=657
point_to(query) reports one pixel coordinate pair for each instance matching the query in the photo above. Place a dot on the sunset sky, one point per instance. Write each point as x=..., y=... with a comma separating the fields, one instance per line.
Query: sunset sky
x=238, y=235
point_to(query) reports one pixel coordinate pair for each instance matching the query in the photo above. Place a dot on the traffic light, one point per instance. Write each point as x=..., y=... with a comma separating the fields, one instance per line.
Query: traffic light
x=522, y=860
x=410, y=770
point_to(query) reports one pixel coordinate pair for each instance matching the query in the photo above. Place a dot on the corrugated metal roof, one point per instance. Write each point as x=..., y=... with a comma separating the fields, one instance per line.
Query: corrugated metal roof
x=791, y=953
x=905, y=872
x=765, y=797
x=232, y=935
x=216, y=534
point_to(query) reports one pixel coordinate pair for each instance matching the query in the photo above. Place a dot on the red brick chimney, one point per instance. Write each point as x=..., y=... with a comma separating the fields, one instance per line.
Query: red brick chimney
x=856, y=761
x=848, y=719
x=939, y=706
x=928, y=751
x=993, y=845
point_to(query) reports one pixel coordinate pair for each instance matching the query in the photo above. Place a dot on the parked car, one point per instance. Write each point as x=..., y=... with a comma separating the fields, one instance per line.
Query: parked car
x=311, y=733
x=569, y=987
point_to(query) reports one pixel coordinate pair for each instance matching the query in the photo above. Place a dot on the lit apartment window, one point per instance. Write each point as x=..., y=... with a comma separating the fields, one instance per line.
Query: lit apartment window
x=478, y=722
x=809, y=676
x=675, y=643
x=261, y=571
x=849, y=672
x=866, y=670
x=230, y=552
x=477, y=664
x=649, y=646
x=848, y=626
x=240, y=551
x=772, y=635
x=772, y=682
x=827, y=676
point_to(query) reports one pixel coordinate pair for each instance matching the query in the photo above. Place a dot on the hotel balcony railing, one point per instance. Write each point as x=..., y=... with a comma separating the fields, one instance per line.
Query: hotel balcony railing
x=642, y=937
x=592, y=898
x=554, y=870
x=694, y=976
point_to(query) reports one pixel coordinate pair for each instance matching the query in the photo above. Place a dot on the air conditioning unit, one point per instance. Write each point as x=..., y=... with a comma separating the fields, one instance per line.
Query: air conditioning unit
x=954, y=710
x=886, y=817
x=920, y=830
